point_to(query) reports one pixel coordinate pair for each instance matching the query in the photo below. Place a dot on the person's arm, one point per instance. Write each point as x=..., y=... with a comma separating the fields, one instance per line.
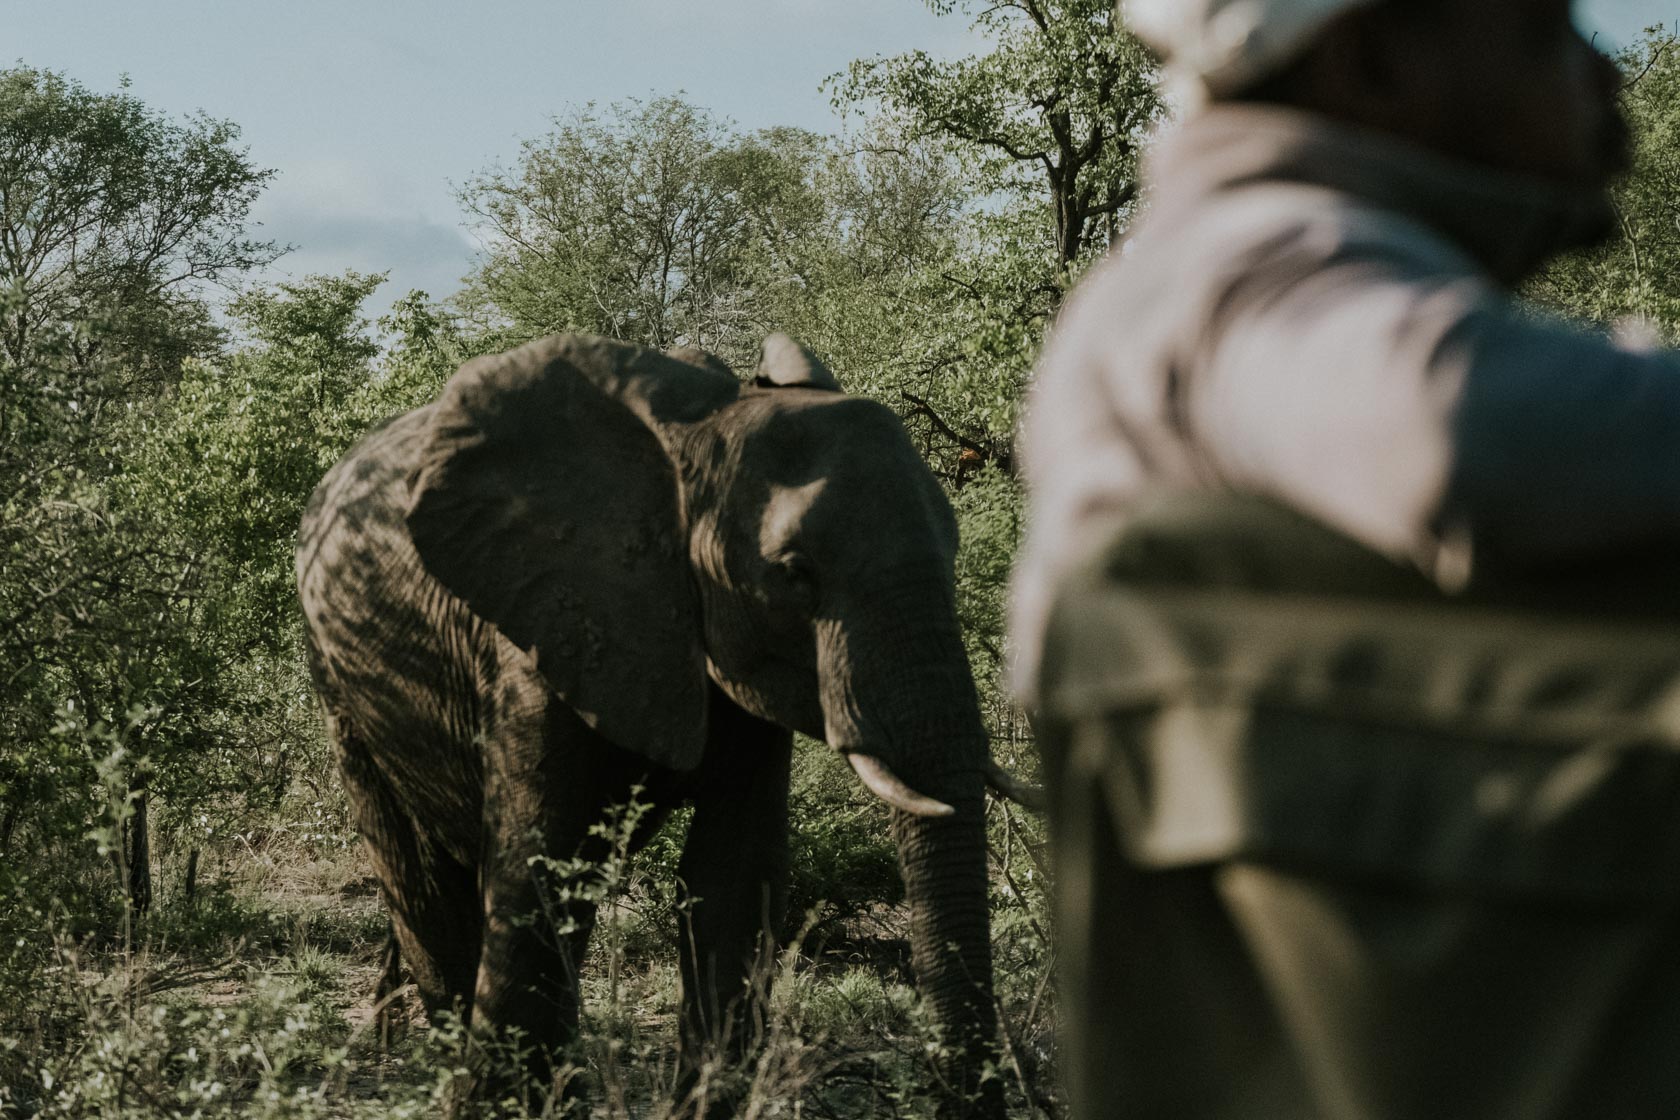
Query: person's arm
x=1398, y=400
x=1329, y=383
x=1565, y=444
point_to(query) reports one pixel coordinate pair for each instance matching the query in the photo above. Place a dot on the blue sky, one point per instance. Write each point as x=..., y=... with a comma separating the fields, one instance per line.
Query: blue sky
x=371, y=109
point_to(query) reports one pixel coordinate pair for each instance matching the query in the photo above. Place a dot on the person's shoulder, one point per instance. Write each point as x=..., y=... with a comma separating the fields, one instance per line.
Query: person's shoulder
x=1309, y=226
x=1186, y=256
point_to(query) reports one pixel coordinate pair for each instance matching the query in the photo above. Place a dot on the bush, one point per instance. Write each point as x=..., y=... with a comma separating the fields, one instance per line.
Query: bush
x=844, y=862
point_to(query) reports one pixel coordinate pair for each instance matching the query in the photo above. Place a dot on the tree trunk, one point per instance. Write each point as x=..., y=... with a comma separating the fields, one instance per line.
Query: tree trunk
x=8, y=824
x=189, y=890
x=140, y=857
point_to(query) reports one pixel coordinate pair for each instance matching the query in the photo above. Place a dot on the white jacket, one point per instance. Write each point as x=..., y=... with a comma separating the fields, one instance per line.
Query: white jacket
x=1321, y=315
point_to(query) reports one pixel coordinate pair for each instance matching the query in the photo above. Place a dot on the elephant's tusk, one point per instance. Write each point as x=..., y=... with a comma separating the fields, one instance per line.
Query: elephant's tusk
x=889, y=787
x=1022, y=793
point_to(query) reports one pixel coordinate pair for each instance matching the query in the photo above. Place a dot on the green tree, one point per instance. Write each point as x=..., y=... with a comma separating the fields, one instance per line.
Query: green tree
x=889, y=229
x=1637, y=272
x=244, y=441
x=1057, y=111
x=112, y=212
x=426, y=345
x=1047, y=127
x=113, y=220
x=226, y=468
x=647, y=222
x=658, y=224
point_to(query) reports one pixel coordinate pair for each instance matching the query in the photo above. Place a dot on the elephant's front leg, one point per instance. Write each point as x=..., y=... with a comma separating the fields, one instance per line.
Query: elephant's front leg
x=525, y=1005
x=549, y=779
x=734, y=873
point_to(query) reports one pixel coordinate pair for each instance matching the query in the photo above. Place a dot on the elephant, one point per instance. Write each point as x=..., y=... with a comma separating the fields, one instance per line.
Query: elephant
x=589, y=568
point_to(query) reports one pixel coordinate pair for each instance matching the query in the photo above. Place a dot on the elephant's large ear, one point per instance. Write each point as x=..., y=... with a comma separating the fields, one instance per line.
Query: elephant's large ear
x=546, y=500
x=782, y=361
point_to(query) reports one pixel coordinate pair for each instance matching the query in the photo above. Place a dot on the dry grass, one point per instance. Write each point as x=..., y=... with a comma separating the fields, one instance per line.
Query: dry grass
x=255, y=1001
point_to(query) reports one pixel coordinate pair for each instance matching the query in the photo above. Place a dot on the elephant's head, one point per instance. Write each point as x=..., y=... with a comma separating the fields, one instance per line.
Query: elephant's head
x=643, y=523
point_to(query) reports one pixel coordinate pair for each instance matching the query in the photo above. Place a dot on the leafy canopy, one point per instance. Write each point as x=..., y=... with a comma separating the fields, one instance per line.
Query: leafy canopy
x=1059, y=106
x=1637, y=273
x=112, y=212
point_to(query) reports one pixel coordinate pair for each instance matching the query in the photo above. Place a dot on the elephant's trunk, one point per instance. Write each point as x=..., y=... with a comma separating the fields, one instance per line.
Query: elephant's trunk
x=899, y=688
x=943, y=863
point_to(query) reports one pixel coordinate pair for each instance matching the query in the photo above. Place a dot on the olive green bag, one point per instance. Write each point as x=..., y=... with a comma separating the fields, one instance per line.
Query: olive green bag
x=1273, y=691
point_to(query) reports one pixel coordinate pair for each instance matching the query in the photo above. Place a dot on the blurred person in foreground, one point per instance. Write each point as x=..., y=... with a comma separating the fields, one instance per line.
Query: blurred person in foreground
x=1300, y=920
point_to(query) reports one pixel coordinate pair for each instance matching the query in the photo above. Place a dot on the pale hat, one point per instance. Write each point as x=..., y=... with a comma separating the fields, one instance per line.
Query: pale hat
x=1223, y=46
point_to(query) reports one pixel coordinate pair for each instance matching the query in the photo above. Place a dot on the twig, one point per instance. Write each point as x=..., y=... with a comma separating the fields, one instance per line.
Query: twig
x=1650, y=64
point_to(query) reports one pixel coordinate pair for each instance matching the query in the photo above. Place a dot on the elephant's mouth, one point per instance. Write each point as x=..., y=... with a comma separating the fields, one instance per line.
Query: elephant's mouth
x=768, y=689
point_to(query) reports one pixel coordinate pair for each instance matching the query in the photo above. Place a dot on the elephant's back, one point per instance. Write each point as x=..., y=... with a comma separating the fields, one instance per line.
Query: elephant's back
x=354, y=551
x=367, y=489
x=395, y=657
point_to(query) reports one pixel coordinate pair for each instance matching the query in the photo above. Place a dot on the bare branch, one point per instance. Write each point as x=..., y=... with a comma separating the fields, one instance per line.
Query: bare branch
x=1657, y=55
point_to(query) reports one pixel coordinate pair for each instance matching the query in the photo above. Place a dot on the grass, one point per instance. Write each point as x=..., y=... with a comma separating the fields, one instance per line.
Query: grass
x=254, y=999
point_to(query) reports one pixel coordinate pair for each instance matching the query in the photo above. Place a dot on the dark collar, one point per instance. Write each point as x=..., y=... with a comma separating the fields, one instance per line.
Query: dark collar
x=1509, y=223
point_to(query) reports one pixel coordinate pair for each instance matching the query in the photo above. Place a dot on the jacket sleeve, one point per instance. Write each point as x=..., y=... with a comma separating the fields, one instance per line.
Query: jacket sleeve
x=1403, y=399
x=1564, y=443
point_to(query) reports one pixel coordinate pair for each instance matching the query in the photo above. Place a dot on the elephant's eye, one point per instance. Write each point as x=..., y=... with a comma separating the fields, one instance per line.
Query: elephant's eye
x=792, y=572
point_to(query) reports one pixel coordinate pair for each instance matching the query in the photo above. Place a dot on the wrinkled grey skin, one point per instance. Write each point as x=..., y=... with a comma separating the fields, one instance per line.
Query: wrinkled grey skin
x=588, y=566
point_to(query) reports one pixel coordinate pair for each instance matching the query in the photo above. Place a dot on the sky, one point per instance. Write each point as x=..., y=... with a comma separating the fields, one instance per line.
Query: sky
x=373, y=111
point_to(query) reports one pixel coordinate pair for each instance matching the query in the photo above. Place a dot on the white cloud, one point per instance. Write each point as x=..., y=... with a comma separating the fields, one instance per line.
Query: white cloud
x=343, y=214
x=417, y=252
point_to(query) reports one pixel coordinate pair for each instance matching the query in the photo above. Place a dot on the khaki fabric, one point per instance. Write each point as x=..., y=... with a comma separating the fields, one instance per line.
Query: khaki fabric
x=1331, y=843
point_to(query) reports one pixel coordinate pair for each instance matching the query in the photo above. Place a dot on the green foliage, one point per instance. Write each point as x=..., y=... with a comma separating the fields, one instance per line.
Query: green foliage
x=856, y=1001
x=173, y=666
x=844, y=863
x=646, y=222
x=246, y=438
x=111, y=212
x=112, y=218
x=1045, y=131
x=1062, y=101
x=145, y=1058
x=1636, y=274
x=658, y=224
x=230, y=995
x=424, y=347
x=990, y=519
